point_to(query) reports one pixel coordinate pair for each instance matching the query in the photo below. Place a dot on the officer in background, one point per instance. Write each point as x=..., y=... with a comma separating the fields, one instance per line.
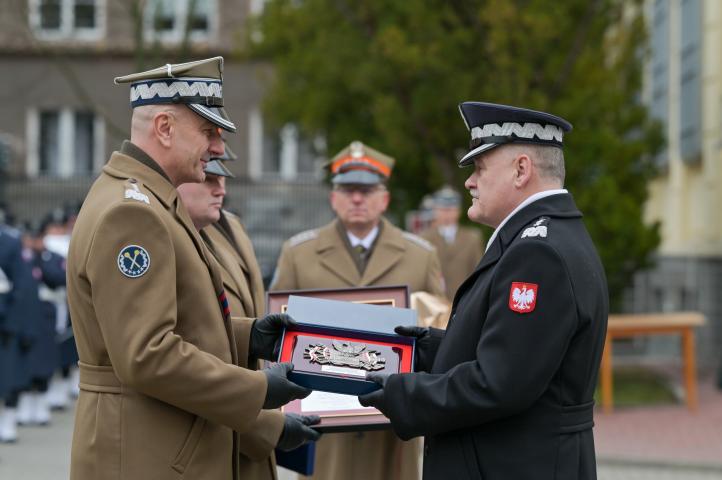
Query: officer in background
x=226, y=239
x=161, y=390
x=41, y=360
x=459, y=248
x=18, y=298
x=55, y=240
x=508, y=391
x=360, y=248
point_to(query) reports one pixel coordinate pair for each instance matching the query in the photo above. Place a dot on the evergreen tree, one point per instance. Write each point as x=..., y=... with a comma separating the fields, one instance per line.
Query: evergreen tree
x=391, y=73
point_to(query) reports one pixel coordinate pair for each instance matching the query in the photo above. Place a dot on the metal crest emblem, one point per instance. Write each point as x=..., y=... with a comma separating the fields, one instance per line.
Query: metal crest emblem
x=133, y=261
x=345, y=354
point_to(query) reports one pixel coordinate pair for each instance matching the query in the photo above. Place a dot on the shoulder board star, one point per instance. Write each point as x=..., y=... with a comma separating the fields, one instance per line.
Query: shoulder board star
x=538, y=228
x=418, y=241
x=132, y=192
x=302, y=237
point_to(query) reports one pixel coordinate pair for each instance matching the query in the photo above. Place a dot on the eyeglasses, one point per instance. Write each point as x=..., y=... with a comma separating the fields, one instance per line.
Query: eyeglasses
x=364, y=190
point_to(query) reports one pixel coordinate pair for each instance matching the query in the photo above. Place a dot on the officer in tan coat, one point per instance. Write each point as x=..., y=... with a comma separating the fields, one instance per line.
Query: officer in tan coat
x=161, y=392
x=459, y=248
x=360, y=248
x=229, y=244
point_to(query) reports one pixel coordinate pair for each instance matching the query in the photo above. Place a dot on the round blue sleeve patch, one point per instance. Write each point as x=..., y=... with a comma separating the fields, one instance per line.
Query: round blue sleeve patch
x=133, y=261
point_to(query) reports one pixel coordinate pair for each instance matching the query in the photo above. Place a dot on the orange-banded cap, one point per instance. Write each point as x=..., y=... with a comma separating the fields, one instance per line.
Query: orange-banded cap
x=360, y=164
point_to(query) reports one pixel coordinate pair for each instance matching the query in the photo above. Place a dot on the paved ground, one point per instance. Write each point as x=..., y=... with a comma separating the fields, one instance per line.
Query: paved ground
x=42, y=453
x=651, y=443
x=665, y=434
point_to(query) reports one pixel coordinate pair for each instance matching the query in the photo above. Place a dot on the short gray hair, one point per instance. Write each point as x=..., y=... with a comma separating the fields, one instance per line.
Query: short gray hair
x=550, y=162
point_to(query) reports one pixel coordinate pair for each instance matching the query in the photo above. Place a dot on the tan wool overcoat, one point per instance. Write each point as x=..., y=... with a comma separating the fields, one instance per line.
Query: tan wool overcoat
x=459, y=258
x=231, y=246
x=160, y=396
x=321, y=259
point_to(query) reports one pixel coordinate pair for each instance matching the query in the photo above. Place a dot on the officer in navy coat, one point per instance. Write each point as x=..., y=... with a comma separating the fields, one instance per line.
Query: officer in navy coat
x=49, y=271
x=18, y=293
x=506, y=392
x=11, y=269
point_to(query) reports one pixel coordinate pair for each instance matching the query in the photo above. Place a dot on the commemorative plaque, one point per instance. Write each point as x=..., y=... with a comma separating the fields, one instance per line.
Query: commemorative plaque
x=343, y=356
x=337, y=344
x=327, y=361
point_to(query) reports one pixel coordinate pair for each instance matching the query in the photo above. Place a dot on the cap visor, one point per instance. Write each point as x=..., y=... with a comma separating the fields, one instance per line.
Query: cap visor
x=216, y=167
x=358, y=177
x=216, y=115
x=468, y=159
x=228, y=154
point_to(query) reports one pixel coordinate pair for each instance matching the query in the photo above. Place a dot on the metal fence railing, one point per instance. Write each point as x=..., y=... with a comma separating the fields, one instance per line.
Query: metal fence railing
x=272, y=211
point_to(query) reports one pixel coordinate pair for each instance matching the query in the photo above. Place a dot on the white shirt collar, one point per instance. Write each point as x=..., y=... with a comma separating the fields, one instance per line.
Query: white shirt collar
x=366, y=241
x=527, y=201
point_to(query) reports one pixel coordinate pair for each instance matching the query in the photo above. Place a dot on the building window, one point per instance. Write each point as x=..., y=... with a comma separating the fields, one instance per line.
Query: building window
x=690, y=115
x=659, y=102
x=84, y=134
x=173, y=21
x=49, y=143
x=64, y=142
x=85, y=14
x=283, y=153
x=50, y=14
x=68, y=19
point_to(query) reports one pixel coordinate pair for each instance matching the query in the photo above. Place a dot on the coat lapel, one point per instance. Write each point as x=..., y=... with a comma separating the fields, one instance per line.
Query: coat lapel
x=490, y=258
x=234, y=279
x=387, y=252
x=334, y=256
x=440, y=242
x=252, y=273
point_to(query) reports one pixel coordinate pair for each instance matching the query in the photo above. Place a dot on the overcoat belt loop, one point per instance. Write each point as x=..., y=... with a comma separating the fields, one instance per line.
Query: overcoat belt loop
x=98, y=378
x=577, y=418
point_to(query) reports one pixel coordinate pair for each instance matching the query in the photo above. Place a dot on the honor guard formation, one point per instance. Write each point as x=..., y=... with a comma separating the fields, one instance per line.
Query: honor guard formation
x=38, y=359
x=166, y=305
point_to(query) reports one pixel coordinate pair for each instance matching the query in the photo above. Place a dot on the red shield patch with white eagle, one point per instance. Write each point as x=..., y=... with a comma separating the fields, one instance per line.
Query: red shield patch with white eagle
x=522, y=296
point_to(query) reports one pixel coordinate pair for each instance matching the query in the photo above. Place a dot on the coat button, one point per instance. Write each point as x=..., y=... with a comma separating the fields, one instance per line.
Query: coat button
x=132, y=180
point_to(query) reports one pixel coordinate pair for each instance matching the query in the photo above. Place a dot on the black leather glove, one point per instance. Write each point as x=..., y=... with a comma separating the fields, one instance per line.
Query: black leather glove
x=266, y=335
x=377, y=398
x=280, y=389
x=296, y=431
x=427, y=344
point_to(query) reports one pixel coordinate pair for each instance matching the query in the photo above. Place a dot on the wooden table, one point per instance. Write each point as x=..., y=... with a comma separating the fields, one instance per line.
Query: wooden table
x=624, y=326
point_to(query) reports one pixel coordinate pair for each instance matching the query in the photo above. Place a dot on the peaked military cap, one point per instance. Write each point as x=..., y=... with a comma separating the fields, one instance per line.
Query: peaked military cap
x=446, y=197
x=197, y=84
x=34, y=228
x=492, y=125
x=216, y=167
x=228, y=155
x=360, y=164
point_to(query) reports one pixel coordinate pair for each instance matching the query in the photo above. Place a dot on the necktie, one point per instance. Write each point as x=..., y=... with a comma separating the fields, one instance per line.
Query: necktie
x=361, y=251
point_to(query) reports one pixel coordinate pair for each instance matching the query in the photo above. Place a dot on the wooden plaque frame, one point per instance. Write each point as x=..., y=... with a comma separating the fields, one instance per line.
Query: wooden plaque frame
x=351, y=420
